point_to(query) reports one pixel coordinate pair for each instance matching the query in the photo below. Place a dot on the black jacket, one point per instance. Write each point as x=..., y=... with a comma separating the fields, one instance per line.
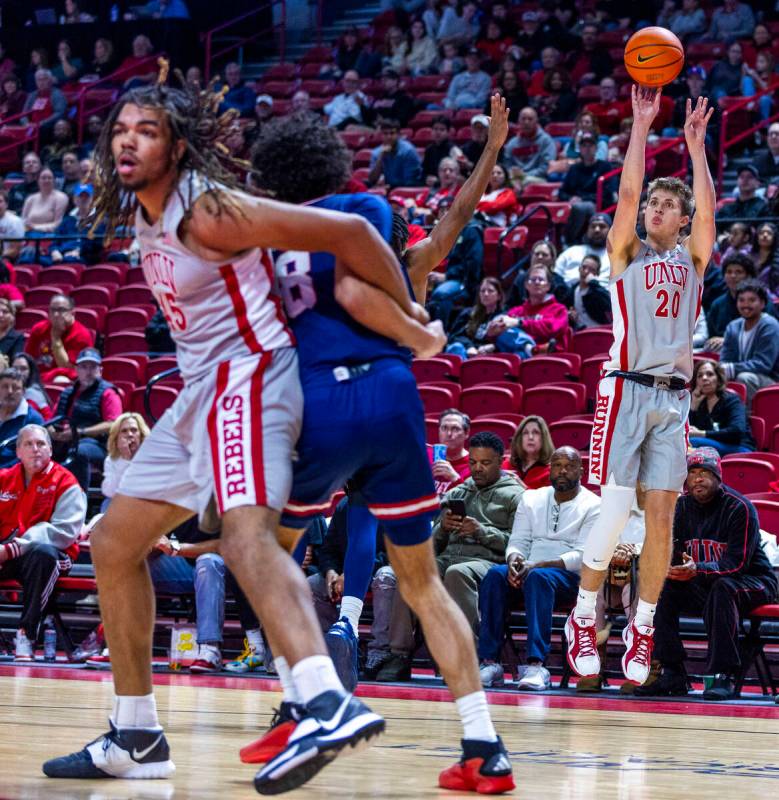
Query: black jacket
x=333, y=550
x=726, y=422
x=582, y=180
x=597, y=301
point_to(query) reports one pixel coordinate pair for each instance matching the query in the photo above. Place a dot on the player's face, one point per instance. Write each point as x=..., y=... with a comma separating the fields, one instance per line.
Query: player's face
x=663, y=217
x=140, y=145
x=485, y=466
x=749, y=305
x=702, y=484
x=451, y=432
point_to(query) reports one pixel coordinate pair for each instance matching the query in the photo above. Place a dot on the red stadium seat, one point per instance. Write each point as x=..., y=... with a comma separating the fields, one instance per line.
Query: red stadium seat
x=424, y=119
x=559, y=128
x=281, y=72
x=119, y=343
x=544, y=369
x=765, y=404
x=498, y=256
x=571, y=432
x=500, y=427
x=103, y=274
x=134, y=275
x=427, y=370
x=280, y=89
x=738, y=388
x=134, y=295
x=121, y=320
x=89, y=318
x=40, y=296
x=592, y=342
x=436, y=399
x=757, y=426
x=771, y=458
x=483, y=401
x=101, y=312
x=768, y=514
x=747, y=475
x=488, y=369
x=94, y=295
x=25, y=277
x=431, y=428
x=116, y=368
x=162, y=398
x=552, y=402
x=539, y=191
x=27, y=317
x=453, y=389
x=157, y=365
x=54, y=390
x=66, y=275
x=455, y=360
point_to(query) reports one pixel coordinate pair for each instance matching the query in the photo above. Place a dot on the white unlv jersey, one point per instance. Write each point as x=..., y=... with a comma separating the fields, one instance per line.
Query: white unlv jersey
x=216, y=311
x=655, y=303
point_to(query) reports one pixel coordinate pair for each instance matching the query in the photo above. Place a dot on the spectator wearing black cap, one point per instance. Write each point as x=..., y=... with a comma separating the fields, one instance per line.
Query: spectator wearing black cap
x=395, y=160
x=469, y=89
x=719, y=571
x=91, y=404
x=395, y=103
x=580, y=186
x=748, y=204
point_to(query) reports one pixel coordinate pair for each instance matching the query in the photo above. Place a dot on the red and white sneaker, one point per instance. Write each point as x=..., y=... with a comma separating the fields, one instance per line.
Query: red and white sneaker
x=484, y=768
x=582, y=653
x=209, y=659
x=103, y=661
x=637, y=660
x=23, y=647
x=268, y=746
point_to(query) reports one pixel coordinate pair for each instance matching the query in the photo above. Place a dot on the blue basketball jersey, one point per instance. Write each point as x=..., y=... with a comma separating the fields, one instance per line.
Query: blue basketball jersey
x=327, y=336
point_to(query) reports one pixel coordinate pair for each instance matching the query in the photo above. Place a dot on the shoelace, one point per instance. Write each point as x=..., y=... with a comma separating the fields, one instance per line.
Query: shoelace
x=586, y=641
x=643, y=647
x=247, y=651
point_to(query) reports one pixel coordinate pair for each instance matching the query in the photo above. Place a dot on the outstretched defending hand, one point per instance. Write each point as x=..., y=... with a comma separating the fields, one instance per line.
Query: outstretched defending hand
x=695, y=124
x=646, y=104
x=499, y=122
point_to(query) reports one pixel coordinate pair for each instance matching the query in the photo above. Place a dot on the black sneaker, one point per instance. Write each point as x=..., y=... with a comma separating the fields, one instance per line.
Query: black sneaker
x=722, y=688
x=375, y=661
x=397, y=668
x=669, y=684
x=332, y=723
x=129, y=753
x=343, y=647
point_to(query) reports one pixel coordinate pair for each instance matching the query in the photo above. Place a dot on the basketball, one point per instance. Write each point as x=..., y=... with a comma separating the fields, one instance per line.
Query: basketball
x=653, y=56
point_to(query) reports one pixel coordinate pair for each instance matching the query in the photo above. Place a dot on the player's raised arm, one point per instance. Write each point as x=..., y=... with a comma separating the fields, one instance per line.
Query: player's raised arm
x=703, y=233
x=622, y=241
x=260, y=222
x=426, y=255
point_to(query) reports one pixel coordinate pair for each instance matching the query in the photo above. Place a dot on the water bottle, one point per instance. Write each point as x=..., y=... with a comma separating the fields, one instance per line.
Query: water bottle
x=114, y=13
x=49, y=640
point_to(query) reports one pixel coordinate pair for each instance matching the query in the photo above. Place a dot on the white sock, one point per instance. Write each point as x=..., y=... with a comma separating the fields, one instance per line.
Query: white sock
x=475, y=716
x=314, y=675
x=285, y=677
x=135, y=712
x=645, y=613
x=351, y=608
x=585, y=604
x=254, y=637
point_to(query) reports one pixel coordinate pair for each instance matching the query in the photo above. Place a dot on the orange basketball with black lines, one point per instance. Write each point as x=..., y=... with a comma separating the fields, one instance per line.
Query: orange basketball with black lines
x=654, y=56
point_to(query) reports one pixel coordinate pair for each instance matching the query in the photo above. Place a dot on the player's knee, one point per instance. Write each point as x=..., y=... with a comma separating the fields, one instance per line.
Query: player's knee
x=616, y=502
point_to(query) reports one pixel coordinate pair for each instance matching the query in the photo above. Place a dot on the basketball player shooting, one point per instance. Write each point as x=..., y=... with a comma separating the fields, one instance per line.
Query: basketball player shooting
x=643, y=401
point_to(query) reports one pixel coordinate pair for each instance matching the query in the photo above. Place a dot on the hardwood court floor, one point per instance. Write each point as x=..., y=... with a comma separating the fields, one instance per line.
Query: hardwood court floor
x=566, y=748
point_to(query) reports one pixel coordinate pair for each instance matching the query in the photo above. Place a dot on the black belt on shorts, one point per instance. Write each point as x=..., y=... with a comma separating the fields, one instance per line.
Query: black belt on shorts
x=656, y=381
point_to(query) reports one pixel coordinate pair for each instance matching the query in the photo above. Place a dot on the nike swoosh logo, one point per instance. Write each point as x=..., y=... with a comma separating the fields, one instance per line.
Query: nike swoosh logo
x=138, y=756
x=642, y=59
x=335, y=720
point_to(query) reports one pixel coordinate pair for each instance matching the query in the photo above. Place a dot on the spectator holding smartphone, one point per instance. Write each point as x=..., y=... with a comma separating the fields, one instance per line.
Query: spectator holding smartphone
x=449, y=459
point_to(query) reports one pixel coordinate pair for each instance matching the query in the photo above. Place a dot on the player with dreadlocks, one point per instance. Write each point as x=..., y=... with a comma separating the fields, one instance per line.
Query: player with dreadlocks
x=160, y=163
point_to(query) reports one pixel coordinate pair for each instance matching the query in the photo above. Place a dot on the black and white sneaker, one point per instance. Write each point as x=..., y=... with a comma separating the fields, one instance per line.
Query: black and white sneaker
x=141, y=753
x=333, y=722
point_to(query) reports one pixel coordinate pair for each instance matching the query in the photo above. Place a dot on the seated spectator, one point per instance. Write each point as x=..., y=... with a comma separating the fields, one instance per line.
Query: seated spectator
x=459, y=24
x=441, y=147
x=580, y=187
x=557, y=102
x=396, y=103
x=733, y=20
x=104, y=62
x=494, y=44
x=34, y=391
x=499, y=203
x=590, y=62
x=11, y=227
x=530, y=452
x=127, y=433
x=569, y=261
x=468, y=335
x=164, y=9
x=395, y=49
x=74, y=15
x=528, y=153
x=239, y=96
x=472, y=149
x=551, y=59
x=301, y=103
x=719, y=572
x=44, y=210
x=158, y=336
x=589, y=302
x=139, y=68
x=510, y=87
x=46, y=104
x=395, y=162
x=91, y=404
x=766, y=160
x=765, y=253
x=42, y=512
x=56, y=342
x=609, y=110
x=18, y=193
x=540, y=320
x=695, y=79
x=542, y=254
x=735, y=270
x=718, y=418
x=466, y=545
x=7, y=65
x=62, y=141
x=15, y=414
x=86, y=170
x=543, y=562
x=454, y=467
x=530, y=38
x=449, y=180
x=11, y=340
x=39, y=59
x=193, y=77
x=762, y=76
x=748, y=203
x=91, y=135
x=71, y=173
x=750, y=350
x=725, y=77
x=245, y=137
x=346, y=108
x=69, y=68
x=739, y=240
x=469, y=89
x=689, y=22
x=422, y=55
x=348, y=51
x=12, y=97
x=84, y=250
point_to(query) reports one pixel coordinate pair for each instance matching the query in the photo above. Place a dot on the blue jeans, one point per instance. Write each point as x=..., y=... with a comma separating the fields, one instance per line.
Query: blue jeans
x=89, y=452
x=443, y=298
x=458, y=349
x=543, y=588
x=721, y=447
x=175, y=575
x=515, y=340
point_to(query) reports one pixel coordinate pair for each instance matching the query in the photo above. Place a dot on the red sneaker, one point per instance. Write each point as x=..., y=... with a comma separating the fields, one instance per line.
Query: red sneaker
x=637, y=660
x=483, y=768
x=267, y=747
x=582, y=640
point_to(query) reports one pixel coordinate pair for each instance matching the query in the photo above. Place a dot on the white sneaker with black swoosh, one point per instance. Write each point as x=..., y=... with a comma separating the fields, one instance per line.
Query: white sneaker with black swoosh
x=140, y=753
x=334, y=722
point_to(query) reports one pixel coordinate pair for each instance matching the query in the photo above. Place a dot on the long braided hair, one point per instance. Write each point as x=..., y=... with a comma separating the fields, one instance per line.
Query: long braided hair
x=191, y=114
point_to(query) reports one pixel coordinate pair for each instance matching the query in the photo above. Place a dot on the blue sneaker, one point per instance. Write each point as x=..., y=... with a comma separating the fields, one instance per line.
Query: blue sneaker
x=343, y=647
x=333, y=722
x=130, y=753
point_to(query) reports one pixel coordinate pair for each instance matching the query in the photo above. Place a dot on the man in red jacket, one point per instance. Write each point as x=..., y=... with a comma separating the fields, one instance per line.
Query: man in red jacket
x=42, y=510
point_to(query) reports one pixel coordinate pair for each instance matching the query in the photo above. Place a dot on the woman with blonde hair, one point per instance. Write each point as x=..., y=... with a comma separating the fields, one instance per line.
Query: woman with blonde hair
x=530, y=452
x=125, y=437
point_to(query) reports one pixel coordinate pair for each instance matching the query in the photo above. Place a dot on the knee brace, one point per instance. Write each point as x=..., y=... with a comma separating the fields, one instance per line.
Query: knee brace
x=615, y=505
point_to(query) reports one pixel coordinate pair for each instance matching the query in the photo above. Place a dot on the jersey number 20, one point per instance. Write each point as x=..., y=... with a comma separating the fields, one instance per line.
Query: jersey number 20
x=293, y=272
x=664, y=299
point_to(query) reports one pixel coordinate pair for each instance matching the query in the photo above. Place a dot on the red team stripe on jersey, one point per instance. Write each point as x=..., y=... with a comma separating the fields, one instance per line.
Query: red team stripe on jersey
x=623, y=310
x=256, y=432
x=410, y=508
x=239, y=306
x=306, y=510
x=613, y=411
x=222, y=377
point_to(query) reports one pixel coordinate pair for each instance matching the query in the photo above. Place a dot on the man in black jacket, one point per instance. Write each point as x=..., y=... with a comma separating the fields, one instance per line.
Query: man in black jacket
x=719, y=570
